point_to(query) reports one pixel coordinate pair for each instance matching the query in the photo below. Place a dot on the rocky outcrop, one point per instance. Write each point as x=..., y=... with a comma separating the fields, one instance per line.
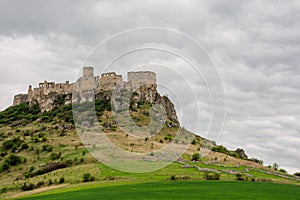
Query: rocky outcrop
x=241, y=153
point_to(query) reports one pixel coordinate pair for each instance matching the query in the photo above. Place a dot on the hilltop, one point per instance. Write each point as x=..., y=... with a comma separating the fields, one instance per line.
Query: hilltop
x=40, y=146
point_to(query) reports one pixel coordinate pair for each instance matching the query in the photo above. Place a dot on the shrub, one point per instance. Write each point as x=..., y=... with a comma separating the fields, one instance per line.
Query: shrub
x=220, y=149
x=211, y=176
x=13, y=143
x=283, y=171
x=4, y=167
x=194, y=142
x=55, y=156
x=61, y=180
x=28, y=187
x=257, y=161
x=87, y=177
x=39, y=184
x=173, y=178
x=239, y=177
x=3, y=190
x=31, y=168
x=24, y=146
x=47, y=147
x=195, y=157
x=49, y=168
x=297, y=174
x=169, y=138
x=69, y=162
x=13, y=160
x=50, y=182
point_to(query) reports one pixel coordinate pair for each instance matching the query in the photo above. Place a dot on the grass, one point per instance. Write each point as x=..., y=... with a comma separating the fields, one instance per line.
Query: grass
x=178, y=190
x=67, y=143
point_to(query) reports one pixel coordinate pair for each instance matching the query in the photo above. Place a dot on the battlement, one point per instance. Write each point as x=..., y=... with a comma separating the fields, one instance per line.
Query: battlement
x=88, y=82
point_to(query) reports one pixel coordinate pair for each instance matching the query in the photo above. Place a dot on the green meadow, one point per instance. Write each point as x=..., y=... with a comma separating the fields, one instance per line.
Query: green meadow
x=176, y=190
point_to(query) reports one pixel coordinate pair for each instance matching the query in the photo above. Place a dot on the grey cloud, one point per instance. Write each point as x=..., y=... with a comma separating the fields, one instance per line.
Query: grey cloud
x=255, y=44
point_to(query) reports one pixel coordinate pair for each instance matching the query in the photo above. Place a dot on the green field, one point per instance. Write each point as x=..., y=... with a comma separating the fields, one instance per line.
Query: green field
x=177, y=190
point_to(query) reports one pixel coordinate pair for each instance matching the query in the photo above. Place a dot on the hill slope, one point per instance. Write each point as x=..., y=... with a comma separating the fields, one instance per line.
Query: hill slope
x=42, y=149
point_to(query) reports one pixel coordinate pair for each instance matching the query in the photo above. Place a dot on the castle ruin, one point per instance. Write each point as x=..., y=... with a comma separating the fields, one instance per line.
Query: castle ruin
x=144, y=82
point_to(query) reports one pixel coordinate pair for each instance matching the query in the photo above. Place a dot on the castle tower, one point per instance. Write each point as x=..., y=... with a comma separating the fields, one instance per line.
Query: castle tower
x=88, y=71
x=29, y=89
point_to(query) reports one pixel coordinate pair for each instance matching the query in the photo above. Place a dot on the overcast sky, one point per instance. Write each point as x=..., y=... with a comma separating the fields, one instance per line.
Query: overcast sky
x=255, y=45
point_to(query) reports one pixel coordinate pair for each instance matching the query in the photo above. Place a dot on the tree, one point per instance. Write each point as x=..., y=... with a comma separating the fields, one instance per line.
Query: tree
x=283, y=170
x=275, y=166
x=195, y=157
x=297, y=174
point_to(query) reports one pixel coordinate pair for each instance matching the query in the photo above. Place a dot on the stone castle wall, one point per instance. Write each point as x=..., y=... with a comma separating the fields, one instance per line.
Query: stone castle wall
x=137, y=79
x=142, y=82
x=108, y=81
x=20, y=98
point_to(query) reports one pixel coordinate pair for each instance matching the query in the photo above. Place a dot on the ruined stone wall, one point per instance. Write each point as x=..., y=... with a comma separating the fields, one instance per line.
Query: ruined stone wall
x=144, y=83
x=46, y=93
x=137, y=79
x=108, y=81
x=20, y=98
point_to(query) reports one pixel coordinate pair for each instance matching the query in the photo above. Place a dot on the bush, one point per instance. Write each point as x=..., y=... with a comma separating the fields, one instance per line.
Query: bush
x=211, y=176
x=220, y=149
x=13, y=160
x=173, y=178
x=24, y=146
x=87, y=177
x=195, y=157
x=49, y=168
x=39, y=184
x=13, y=143
x=4, y=167
x=3, y=190
x=28, y=187
x=169, y=138
x=239, y=177
x=283, y=171
x=61, y=180
x=297, y=174
x=194, y=142
x=47, y=147
x=55, y=156
x=257, y=161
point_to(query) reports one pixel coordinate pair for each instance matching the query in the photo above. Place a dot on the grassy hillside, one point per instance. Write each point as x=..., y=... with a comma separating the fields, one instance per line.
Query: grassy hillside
x=178, y=190
x=40, y=151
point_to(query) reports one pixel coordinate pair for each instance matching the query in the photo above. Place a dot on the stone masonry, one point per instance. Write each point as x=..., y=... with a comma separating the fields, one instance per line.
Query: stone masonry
x=143, y=83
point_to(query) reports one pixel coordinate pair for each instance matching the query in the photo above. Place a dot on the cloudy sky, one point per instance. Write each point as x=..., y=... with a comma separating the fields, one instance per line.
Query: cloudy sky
x=255, y=46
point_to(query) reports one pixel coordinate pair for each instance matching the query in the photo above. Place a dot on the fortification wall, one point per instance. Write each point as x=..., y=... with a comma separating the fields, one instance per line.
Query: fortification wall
x=108, y=81
x=137, y=79
x=142, y=82
x=20, y=98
